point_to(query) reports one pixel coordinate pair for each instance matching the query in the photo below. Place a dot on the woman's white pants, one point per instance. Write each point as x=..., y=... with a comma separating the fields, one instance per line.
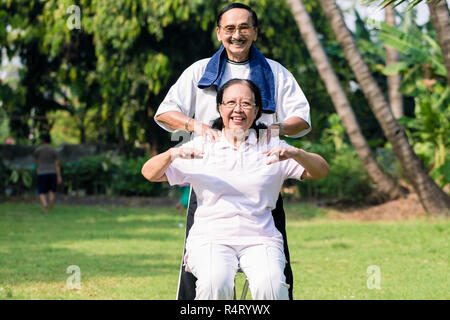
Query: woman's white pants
x=215, y=267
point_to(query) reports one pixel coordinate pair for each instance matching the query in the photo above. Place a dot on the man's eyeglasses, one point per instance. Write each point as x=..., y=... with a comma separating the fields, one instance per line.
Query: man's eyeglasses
x=243, y=104
x=243, y=29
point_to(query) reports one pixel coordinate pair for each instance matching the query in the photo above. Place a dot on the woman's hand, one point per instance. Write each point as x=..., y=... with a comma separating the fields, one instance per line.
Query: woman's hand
x=280, y=154
x=315, y=166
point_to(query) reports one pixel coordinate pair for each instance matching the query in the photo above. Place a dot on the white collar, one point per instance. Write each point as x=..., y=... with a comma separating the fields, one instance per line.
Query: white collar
x=251, y=140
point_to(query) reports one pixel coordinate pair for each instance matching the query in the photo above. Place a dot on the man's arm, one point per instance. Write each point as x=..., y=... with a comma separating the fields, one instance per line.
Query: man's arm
x=176, y=120
x=179, y=121
x=290, y=126
x=293, y=111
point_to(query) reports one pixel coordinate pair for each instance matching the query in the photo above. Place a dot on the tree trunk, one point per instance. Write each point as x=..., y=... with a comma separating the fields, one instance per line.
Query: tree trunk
x=431, y=196
x=440, y=19
x=82, y=128
x=385, y=185
x=393, y=82
x=156, y=141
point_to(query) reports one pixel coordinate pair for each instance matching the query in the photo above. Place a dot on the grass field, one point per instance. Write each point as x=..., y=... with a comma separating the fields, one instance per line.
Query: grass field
x=134, y=253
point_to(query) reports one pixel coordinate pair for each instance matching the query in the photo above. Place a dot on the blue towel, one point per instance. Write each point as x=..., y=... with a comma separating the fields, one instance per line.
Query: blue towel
x=260, y=73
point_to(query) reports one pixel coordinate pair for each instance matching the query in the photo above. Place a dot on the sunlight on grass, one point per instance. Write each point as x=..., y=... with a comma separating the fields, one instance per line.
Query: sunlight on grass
x=134, y=253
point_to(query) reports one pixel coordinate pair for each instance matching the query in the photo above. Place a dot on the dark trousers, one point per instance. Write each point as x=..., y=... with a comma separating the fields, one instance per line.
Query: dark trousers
x=186, y=284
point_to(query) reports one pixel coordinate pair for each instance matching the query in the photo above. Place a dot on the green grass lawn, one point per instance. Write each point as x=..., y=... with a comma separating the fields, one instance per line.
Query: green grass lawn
x=135, y=253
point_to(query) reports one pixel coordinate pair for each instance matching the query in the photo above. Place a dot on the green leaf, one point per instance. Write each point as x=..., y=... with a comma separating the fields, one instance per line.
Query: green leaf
x=14, y=176
x=395, y=68
x=27, y=179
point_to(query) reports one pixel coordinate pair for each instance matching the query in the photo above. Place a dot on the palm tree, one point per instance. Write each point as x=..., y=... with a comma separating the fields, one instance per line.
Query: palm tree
x=431, y=196
x=440, y=19
x=386, y=186
x=393, y=81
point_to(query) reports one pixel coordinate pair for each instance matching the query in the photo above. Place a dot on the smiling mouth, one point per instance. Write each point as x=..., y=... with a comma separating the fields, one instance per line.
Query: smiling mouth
x=238, y=42
x=238, y=120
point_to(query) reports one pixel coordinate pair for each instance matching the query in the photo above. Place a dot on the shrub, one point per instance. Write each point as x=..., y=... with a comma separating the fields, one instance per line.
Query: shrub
x=92, y=175
x=347, y=180
x=17, y=181
x=108, y=174
x=5, y=173
x=128, y=180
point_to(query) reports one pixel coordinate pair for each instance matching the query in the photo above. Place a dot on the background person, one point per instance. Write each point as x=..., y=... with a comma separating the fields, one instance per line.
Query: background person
x=48, y=173
x=237, y=180
x=189, y=104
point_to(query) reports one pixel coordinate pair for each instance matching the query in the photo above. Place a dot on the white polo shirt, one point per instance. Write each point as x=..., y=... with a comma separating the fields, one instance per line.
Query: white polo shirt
x=184, y=96
x=236, y=190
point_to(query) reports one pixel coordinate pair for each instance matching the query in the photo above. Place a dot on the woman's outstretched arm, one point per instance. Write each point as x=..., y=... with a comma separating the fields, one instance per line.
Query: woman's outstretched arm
x=154, y=169
x=316, y=167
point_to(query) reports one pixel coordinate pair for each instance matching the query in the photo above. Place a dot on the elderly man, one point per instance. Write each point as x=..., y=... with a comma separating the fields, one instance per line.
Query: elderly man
x=190, y=102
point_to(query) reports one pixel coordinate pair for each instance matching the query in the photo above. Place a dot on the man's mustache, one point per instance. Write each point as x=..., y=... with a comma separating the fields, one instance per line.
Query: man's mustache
x=239, y=39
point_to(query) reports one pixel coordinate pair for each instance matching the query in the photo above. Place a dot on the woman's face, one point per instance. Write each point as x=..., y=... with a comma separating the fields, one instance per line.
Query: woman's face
x=238, y=110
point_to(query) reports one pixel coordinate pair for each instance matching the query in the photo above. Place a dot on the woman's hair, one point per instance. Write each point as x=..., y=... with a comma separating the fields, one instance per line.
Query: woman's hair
x=218, y=123
x=238, y=6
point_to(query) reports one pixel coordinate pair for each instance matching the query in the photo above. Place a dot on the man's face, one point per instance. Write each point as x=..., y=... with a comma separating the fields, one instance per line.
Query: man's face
x=237, y=33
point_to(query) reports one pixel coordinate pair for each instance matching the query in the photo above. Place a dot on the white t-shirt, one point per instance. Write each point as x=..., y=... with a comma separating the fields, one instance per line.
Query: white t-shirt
x=236, y=190
x=184, y=96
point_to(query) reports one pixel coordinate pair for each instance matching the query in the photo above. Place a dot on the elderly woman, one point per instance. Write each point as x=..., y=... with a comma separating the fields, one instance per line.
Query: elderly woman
x=237, y=181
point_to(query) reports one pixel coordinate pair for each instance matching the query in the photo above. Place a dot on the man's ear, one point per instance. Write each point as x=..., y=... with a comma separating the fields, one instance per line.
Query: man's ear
x=218, y=34
x=256, y=34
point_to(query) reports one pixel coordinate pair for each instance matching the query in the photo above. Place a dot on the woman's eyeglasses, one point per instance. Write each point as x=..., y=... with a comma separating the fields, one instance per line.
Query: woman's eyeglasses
x=243, y=104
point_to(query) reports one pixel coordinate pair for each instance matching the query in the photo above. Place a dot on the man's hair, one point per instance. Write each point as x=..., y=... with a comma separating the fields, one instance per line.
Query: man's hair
x=218, y=123
x=236, y=5
x=46, y=138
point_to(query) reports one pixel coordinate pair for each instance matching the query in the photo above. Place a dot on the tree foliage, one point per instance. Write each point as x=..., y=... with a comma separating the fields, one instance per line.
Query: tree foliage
x=410, y=3
x=424, y=79
x=113, y=72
